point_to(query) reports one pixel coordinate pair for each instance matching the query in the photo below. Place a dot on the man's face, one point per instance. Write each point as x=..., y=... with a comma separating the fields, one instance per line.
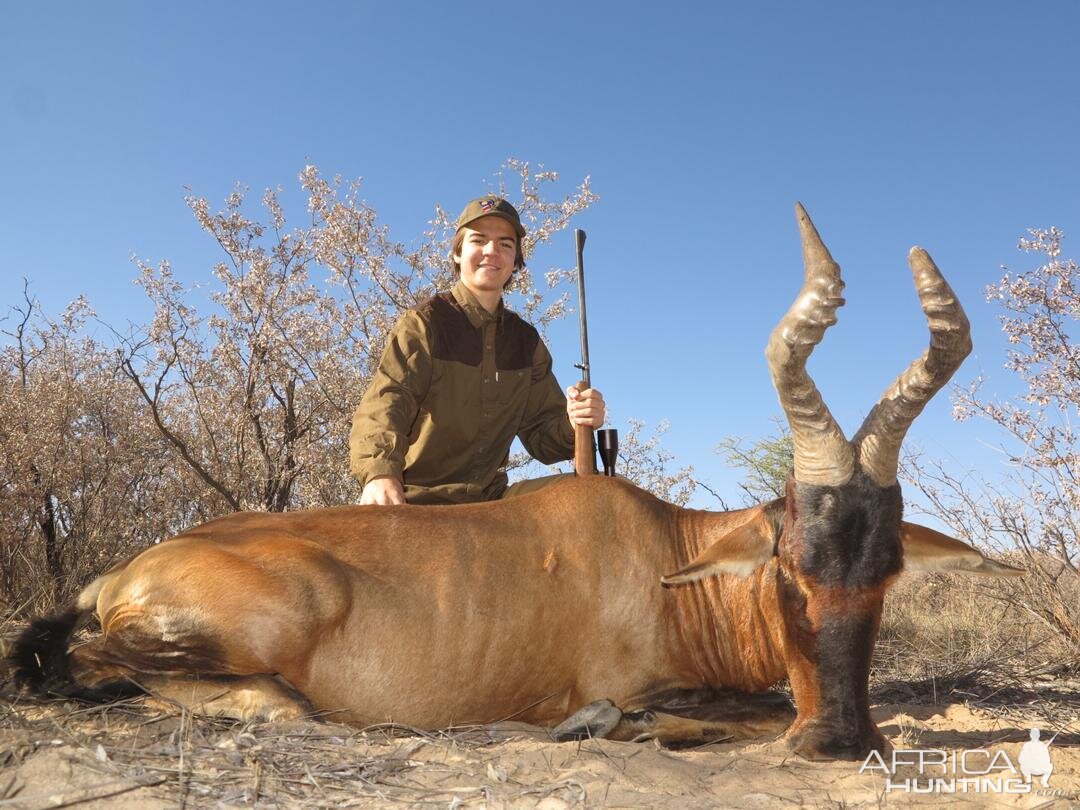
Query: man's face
x=487, y=255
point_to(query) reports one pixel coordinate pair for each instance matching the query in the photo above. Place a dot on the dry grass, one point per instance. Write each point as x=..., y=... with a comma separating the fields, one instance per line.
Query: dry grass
x=200, y=762
x=952, y=638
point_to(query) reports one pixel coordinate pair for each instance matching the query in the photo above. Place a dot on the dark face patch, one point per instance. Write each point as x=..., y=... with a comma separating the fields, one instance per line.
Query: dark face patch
x=846, y=536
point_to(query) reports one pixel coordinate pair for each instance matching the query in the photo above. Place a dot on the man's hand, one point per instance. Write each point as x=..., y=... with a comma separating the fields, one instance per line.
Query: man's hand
x=585, y=407
x=384, y=491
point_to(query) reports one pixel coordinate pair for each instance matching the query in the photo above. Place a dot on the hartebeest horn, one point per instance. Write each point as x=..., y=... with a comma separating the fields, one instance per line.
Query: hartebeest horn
x=878, y=440
x=822, y=453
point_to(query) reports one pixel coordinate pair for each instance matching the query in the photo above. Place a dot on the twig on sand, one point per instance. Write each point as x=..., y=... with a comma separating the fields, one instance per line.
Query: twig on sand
x=103, y=790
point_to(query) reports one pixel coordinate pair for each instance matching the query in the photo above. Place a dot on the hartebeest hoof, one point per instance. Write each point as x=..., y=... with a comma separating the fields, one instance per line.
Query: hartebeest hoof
x=815, y=743
x=597, y=719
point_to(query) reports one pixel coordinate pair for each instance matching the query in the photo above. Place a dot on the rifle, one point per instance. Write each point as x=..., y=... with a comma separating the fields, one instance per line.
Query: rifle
x=584, y=448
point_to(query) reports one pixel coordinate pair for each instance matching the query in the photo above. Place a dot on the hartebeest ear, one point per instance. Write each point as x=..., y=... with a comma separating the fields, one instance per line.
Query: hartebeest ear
x=928, y=550
x=738, y=552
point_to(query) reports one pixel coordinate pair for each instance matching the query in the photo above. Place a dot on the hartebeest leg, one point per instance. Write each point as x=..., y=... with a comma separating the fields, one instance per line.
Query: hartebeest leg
x=674, y=731
x=97, y=666
x=680, y=721
x=251, y=698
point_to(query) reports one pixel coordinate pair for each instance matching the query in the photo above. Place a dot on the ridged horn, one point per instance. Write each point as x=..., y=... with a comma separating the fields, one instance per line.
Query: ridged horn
x=878, y=440
x=822, y=454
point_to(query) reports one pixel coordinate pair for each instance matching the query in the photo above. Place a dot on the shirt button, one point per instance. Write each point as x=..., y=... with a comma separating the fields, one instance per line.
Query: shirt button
x=487, y=379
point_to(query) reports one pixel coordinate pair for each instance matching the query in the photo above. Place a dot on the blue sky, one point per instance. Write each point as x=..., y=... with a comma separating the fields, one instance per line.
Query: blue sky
x=949, y=125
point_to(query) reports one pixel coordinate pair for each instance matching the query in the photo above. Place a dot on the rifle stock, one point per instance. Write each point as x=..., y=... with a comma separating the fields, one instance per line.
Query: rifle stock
x=584, y=451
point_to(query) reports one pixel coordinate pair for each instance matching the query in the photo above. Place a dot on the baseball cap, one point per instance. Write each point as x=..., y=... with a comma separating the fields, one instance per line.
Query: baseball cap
x=491, y=206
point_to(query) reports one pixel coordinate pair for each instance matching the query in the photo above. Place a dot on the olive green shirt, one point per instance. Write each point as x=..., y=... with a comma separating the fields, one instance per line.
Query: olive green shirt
x=455, y=385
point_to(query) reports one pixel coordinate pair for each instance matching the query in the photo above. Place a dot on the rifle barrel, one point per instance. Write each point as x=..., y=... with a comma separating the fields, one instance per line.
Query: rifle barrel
x=579, y=238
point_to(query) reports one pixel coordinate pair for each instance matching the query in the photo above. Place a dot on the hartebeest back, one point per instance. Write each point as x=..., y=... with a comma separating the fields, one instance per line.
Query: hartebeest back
x=537, y=607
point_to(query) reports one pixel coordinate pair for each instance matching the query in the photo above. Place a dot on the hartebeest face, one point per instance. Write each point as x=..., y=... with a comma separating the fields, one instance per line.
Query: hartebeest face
x=839, y=552
x=841, y=545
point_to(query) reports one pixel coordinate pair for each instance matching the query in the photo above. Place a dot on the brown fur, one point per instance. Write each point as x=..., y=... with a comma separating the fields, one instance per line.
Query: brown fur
x=476, y=616
x=526, y=609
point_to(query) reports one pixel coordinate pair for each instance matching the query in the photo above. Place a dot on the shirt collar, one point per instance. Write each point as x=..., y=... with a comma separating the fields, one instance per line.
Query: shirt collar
x=477, y=315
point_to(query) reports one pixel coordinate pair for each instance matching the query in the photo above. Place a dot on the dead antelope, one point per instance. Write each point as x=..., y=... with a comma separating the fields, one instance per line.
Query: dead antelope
x=586, y=600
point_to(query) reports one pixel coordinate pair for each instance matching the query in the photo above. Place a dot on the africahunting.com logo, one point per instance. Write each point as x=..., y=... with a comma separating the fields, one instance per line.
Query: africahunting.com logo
x=977, y=770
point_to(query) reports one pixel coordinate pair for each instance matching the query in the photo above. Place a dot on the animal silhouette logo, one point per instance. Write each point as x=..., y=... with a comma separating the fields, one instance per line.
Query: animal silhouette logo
x=1035, y=758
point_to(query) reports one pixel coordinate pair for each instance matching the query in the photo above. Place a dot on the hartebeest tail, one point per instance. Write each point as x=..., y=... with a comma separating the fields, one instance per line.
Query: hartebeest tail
x=39, y=655
x=40, y=661
x=40, y=658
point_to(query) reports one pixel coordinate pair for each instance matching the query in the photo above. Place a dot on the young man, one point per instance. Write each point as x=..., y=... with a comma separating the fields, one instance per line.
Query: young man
x=461, y=376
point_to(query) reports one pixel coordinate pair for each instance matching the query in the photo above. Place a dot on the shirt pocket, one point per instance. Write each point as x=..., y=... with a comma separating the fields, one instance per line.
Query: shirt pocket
x=512, y=388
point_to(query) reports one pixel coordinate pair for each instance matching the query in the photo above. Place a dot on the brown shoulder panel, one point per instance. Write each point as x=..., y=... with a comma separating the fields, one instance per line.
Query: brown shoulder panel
x=515, y=343
x=452, y=336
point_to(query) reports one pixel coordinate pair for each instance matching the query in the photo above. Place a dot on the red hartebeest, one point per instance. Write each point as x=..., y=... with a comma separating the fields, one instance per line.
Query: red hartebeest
x=540, y=607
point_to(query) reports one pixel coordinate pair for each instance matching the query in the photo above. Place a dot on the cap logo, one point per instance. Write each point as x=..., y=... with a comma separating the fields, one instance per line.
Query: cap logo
x=487, y=205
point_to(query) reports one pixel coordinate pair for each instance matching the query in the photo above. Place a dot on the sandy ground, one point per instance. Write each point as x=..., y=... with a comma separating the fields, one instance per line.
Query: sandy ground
x=132, y=756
